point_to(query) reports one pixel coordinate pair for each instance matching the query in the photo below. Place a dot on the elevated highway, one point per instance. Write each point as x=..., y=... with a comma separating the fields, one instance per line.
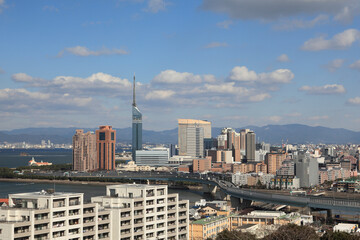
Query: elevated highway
x=313, y=202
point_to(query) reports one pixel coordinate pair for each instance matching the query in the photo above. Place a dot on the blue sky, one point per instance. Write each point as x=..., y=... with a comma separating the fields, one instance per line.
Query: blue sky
x=233, y=62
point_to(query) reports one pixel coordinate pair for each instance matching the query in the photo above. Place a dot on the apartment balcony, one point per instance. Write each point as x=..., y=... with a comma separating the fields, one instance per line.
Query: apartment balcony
x=89, y=223
x=22, y=234
x=125, y=234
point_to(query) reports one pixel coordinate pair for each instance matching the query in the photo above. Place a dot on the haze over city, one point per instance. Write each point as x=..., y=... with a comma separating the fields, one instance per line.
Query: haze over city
x=236, y=63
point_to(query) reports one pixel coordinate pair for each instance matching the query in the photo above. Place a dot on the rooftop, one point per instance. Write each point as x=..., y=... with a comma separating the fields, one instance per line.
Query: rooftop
x=43, y=194
x=208, y=220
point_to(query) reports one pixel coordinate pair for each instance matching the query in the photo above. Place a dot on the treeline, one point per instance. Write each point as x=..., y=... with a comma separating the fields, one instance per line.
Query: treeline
x=55, y=167
x=287, y=232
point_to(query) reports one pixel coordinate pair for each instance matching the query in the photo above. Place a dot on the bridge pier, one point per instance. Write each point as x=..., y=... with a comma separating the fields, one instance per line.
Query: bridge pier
x=329, y=218
x=211, y=189
x=240, y=203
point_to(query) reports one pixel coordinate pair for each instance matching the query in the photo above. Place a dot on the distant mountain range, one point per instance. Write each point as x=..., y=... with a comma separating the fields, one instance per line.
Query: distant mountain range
x=275, y=134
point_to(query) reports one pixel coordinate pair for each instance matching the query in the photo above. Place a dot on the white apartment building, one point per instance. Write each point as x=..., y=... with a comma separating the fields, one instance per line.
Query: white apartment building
x=46, y=215
x=148, y=212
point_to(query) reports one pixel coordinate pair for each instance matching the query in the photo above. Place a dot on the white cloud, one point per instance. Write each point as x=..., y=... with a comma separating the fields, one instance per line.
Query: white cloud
x=339, y=41
x=259, y=97
x=22, y=100
x=302, y=24
x=173, y=77
x=85, y=52
x=347, y=14
x=326, y=89
x=335, y=64
x=225, y=24
x=22, y=77
x=229, y=88
x=99, y=84
x=283, y=58
x=21, y=93
x=318, y=118
x=276, y=9
x=354, y=101
x=159, y=94
x=243, y=74
x=355, y=65
x=216, y=44
x=155, y=6
x=275, y=118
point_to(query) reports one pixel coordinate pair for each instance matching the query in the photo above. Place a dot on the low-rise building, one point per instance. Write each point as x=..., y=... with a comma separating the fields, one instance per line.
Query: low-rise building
x=208, y=227
x=346, y=227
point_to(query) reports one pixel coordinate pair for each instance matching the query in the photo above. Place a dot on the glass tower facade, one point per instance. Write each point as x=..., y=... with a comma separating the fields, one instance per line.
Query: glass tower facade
x=136, y=127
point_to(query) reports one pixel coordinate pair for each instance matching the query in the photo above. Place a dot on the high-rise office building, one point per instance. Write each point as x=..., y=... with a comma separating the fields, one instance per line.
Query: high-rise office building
x=191, y=136
x=307, y=169
x=84, y=151
x=141, y=211
x=105, y=147
x=136, y=126
x=250, y=146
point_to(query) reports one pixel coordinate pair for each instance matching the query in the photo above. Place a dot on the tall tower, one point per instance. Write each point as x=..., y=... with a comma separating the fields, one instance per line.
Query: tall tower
x=136, y=126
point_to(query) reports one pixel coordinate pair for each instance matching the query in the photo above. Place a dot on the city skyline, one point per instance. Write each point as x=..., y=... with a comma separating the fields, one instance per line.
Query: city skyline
x=230, y=62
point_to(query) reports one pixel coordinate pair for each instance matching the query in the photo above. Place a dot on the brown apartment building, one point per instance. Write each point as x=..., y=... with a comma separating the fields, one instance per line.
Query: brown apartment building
x=105, y=146
x=84, y=151
x=274, y=161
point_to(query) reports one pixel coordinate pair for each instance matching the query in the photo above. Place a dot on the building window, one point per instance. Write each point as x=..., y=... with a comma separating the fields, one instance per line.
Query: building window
x=102, y=136
x=112, y=136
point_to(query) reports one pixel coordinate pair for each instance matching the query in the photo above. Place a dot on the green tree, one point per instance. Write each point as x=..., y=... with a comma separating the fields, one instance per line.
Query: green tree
x=234, y=235
x=338, y=236
x=293, y=232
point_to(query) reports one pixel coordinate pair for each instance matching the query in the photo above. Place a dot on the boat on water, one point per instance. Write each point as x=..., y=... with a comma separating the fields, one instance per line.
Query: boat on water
x=24, y=154
x=32, y=162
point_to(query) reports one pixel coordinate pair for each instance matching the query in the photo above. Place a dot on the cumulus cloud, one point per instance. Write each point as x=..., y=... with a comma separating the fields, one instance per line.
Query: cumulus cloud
x=326, y=89
x=339, y=41
x=216, y=44
x=225, y=24
x=100, y=84
x=23, y=100
x=335, y=64
x=301, y=24
x=243, y=74
x=174, y=77
x=353, y=101
x=276, y=9
x=355, y=65
x=22, y=77
x=159, y=94
x=85, y=52
x=283, y=58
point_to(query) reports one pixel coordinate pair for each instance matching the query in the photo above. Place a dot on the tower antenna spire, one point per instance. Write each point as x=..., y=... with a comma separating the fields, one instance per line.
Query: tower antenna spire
x=134, y=102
